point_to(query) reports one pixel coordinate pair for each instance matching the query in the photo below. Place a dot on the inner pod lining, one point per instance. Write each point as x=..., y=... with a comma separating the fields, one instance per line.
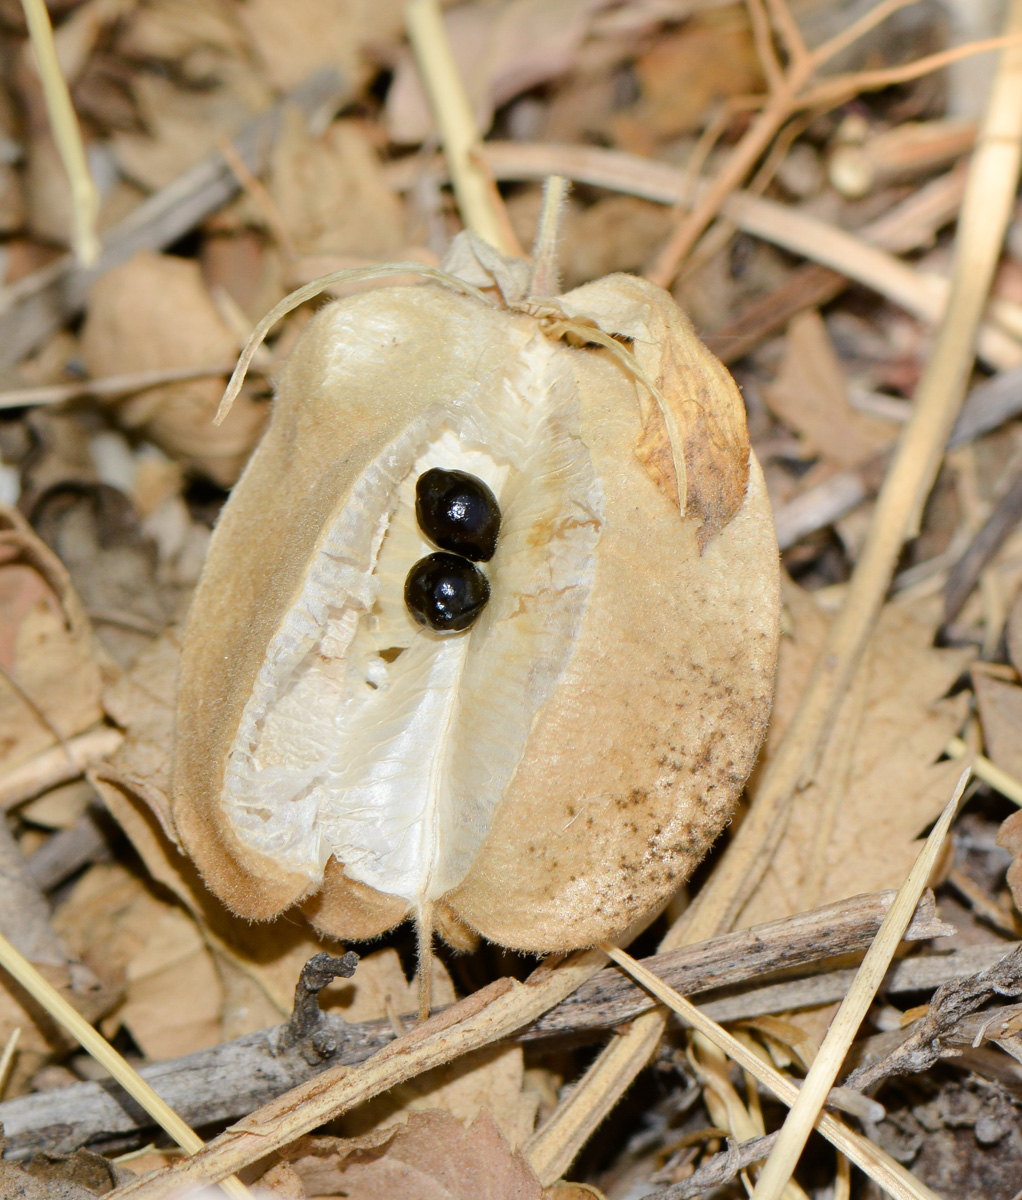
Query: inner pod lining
x=390, y=746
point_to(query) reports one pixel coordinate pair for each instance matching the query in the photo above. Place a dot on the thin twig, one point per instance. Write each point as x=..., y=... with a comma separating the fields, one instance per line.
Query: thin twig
x=230, y=1079
x=788, y=95
x=110, y=386
x=858, y=29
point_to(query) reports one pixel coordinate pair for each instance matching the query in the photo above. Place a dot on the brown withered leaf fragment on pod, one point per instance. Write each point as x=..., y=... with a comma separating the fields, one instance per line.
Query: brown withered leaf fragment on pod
x=550, y=776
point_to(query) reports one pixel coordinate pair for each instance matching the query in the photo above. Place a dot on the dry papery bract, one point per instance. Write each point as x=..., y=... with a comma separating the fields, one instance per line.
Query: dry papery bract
x=549, y=777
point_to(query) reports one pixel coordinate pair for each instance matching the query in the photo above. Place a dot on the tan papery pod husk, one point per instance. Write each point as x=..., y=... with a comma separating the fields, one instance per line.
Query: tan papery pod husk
x=633, y=764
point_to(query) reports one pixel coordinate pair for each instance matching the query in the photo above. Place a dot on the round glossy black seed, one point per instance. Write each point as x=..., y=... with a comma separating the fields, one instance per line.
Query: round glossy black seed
x=458, y=512
x=446, y=592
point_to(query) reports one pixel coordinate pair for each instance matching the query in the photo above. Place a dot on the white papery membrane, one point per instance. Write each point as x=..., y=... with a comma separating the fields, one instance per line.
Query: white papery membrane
x=387, y=745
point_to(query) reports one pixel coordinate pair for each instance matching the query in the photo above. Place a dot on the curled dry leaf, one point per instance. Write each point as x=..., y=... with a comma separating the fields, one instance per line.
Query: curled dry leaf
x=432, y=1157
x=154, y=312
x=330, y=193
x=551, y=775
x=50, y=681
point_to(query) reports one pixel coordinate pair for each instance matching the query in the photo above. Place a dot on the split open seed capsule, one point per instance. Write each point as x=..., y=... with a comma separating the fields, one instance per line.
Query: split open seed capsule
x=551, y=779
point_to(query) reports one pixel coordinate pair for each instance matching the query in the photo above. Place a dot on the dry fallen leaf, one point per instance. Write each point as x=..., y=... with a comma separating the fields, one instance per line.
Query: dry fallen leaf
x=855, y=828
x=1000, y=714
x=150, y=948
x=154, y=312
x=810, y=395
x=330, y=193
x=432, y=1157
x=183, y=124
x=50, y=679
x=715, y=56
x=296, y=39
x=498, y=56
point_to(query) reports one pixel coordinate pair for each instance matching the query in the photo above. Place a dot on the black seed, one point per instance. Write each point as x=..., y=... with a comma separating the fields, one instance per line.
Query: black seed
x=446, y=592
x=458, y=512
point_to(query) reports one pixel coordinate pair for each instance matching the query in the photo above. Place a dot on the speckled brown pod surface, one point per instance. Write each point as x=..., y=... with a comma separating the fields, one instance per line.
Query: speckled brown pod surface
x=550, y=775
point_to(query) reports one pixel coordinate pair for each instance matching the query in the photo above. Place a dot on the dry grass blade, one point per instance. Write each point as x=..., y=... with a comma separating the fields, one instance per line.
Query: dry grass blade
x=879, y=1166
x=822, y=1074
x=480, y=205
x=990, y=196
x=101, y=1050
x=66, y=132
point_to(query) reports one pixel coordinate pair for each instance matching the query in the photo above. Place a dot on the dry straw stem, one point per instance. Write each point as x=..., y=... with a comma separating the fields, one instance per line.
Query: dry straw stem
x=823, y=1072
x=66, y=132
x=987, y=772
x=555, y=1145
x=790, y=92
x=492, y=1013
x=478, y=201
x=61, y=1011
x=884, y=1170
x=7, y=1057
x=989, y=200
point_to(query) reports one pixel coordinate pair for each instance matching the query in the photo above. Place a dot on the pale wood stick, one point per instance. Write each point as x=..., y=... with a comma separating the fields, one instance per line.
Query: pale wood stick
x=901, y=153
x=57, y=765
x=235, y=1077
x=861, y=257
x=478, y=201
x=823, y=1073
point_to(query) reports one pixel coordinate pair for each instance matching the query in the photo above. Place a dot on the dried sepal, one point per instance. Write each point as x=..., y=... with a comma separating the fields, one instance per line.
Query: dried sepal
x=550, y=776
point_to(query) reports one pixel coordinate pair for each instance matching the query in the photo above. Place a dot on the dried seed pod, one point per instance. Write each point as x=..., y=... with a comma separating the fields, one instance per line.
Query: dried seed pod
x=550, y=776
